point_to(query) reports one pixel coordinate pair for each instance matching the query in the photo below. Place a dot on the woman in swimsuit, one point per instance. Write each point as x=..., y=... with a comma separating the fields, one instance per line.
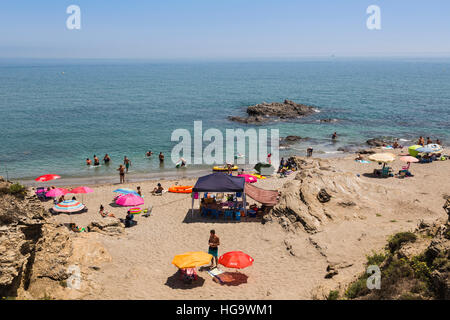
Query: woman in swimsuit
x=121, y=170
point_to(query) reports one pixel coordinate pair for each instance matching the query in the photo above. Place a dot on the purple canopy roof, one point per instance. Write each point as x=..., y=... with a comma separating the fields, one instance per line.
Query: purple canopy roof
x=219, y=182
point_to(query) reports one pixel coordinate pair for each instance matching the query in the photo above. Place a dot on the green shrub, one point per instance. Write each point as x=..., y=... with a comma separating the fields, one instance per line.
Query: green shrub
x=358, y=288
x=17, y=189
x=376, y=259
x=333, y=295
x=396, y=241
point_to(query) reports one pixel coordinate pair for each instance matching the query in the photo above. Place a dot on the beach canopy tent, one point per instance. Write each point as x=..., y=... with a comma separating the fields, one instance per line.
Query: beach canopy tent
x=266, y=197
x=219, y=182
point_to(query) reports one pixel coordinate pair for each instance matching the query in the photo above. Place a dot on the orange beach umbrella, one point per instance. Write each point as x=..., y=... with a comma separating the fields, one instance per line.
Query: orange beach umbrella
x=191, y=259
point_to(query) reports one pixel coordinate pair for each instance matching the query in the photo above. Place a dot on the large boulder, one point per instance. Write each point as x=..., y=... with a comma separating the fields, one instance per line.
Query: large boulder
x=109, y=226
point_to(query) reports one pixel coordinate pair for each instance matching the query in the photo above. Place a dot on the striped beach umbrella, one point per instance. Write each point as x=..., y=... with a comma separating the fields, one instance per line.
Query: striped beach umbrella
x=68, y=206
x=126, y=191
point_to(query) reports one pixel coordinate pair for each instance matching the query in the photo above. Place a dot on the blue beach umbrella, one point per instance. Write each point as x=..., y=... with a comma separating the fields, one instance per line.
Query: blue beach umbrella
x=126, y=191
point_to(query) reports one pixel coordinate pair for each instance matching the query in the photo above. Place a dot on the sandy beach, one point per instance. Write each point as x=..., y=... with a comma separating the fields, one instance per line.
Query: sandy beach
x=289, y=263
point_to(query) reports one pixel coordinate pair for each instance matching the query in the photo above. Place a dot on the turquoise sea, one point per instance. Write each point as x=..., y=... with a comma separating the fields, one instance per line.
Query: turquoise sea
x=55, y=114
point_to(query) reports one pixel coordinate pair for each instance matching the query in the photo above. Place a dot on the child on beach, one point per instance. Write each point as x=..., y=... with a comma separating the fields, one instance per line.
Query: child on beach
x=105, y=213
x=158, y=190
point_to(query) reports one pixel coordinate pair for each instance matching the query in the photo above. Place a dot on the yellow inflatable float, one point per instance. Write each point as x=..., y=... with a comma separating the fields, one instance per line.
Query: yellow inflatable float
x=235, y=168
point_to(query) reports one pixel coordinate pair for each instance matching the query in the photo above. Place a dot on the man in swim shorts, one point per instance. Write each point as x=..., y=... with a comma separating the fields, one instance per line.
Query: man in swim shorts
x=127, y=163
x=96, y=161
x=161, y=157
x=213, y=247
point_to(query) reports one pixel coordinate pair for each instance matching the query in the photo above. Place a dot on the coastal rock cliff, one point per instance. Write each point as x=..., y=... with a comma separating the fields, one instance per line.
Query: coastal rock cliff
x=35, y=252
x=318, y=194
x=264, y=112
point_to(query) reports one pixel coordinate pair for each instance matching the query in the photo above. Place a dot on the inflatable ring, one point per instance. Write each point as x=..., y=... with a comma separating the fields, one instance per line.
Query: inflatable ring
x=181, y=189
x=235, y=168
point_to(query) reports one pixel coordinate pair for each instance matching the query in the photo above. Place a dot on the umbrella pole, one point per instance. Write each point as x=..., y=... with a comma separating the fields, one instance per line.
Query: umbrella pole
x=192, y=209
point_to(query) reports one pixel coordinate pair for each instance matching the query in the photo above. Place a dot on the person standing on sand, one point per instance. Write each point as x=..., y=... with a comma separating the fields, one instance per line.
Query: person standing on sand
x=127, y=163
x=213, y=243
x=438, y=142
x=121, y=170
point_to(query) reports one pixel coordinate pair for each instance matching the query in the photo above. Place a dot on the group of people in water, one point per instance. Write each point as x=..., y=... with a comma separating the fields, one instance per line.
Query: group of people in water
x=421, y=141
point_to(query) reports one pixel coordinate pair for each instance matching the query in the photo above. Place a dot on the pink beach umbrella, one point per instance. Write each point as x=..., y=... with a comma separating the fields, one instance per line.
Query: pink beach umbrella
x=58, y=192
x=82, y=190
x=248, y=178
x=409, y=159
x=129, y=200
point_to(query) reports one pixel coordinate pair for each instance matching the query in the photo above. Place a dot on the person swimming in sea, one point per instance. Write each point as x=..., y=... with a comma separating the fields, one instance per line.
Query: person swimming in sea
x=106, y=159
x=334, y=136
x=96, y=161
x=88, y=161
x=149, y=153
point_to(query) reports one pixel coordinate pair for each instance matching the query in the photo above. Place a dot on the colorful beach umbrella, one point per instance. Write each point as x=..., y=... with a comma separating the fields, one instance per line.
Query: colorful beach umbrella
x=412, y=150
x=409, y=159
x=126, y=191
x=129, y=200
x=191, y=259
x=81, y=190
x=248, y=178
x=382, y=157
x=68, y=206
x=47, y=177
x=236, y=260
x=57, y=192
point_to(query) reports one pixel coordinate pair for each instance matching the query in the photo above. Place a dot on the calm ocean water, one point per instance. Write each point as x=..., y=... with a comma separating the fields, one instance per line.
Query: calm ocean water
x=55, y=114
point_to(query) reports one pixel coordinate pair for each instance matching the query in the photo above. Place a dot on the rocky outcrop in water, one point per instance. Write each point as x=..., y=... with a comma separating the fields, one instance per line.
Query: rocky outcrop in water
x=265, y=112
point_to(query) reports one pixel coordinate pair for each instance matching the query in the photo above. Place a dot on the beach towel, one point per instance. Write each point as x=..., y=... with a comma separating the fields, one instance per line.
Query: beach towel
x=362, y=161
x=215, y=274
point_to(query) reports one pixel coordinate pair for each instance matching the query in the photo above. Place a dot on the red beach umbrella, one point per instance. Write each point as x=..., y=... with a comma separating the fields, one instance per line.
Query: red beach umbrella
x=81, y=190
x=47, y=177
x=236, y=259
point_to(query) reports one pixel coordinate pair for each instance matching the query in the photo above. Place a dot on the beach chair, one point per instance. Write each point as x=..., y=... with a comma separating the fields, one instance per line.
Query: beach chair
x=188, y=275
x=148, y=211
x=214, y=213
x=228, y=214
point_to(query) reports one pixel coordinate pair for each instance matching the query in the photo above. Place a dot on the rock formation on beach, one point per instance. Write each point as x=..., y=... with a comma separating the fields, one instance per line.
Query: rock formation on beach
x=318, y=194
x=265, y=112
x=35, y=252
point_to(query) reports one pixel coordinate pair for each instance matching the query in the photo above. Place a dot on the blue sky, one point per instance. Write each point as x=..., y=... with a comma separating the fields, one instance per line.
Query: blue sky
x=200, y=29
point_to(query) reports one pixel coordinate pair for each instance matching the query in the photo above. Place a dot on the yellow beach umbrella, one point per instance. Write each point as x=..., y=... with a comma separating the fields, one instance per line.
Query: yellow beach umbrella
x=191, y=259
x=382, y=157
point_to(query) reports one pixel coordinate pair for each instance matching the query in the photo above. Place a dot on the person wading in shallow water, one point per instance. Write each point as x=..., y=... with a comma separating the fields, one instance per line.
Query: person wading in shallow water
x=121, y=170
x=127, y=163
x=334, y=136
x=213, y=247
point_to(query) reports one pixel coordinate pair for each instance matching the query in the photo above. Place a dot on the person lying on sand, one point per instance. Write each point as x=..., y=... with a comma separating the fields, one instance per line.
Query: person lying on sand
x=359, y=157
x=76, y=228
x=105, y=213
x=158, y=190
